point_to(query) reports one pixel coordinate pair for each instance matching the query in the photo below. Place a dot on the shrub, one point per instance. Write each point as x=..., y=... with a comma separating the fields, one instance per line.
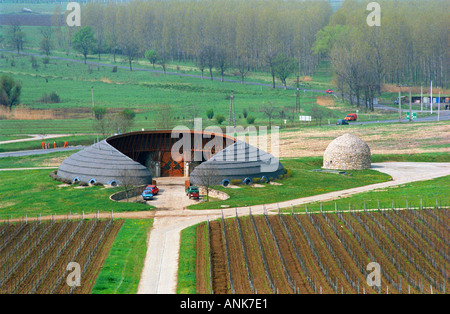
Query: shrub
x=287, y=173
x=46, y=60
x=210, y=114
x=52, y=98
x=220, y=118
x=236, y=181
x=245, y=113
x=251, y=120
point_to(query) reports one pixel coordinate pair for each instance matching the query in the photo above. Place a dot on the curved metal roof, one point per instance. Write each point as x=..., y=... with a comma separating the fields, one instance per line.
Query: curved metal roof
x=104, y=164
x=237, y=161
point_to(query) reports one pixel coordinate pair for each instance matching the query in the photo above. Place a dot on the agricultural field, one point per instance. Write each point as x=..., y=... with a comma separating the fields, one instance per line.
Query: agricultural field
x=34, y=255
x=325, y=252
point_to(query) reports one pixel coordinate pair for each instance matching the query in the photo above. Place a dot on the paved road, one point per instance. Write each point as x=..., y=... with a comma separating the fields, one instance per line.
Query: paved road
x=160, y=270
x=444, y=116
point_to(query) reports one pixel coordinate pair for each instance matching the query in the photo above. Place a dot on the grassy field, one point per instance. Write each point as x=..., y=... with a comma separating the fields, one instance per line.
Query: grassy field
x=33, y=192
x=83, y=140
x=430, y=192
x=303, y=182
x=33, y=161
x=123, y=266
x=146, y=92
x=187, y=258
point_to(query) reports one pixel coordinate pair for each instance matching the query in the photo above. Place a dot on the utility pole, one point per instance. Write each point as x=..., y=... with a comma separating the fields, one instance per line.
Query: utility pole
x=431, y=98
x=92, y=94
x=439, y=104
x=400, y=101
x=232, y=114
x=421, y=98
x=410, y=104
x=399, y=104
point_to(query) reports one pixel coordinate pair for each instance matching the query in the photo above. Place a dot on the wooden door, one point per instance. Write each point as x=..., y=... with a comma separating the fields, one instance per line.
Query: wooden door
x=170, y=167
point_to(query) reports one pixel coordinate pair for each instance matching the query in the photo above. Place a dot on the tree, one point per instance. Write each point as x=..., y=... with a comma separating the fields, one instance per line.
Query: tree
x=46, y=43
x=220, y=118
x=284, y=66
x=16, y=36
x=9, y=91
x=128, y=182
x=270, y=61
x=221, y=62
x=210, y=113
x=164, y=118
x=205, y=178
x=84, y=41
x=152, y=56
x=209, y=57
x=317, y=114
x=243, y=67
x=101, y=124
x=269, y=111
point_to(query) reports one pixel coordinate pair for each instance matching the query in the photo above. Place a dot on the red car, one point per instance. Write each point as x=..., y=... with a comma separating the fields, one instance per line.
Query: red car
x=329, y=91
x=153, y=188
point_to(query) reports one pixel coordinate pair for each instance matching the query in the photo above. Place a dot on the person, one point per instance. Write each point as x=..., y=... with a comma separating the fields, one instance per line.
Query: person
x=65, y=144
x=43, y=144
x=54, y=144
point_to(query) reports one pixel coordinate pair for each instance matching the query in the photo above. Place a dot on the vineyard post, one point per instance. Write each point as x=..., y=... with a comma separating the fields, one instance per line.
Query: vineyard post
x=335, y=207
x=292, y=209
x=378, y=204
x=26, y=219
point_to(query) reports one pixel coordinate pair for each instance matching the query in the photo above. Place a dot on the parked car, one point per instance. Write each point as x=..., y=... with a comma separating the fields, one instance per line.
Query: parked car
x=193, y=192
x=341, y=122
x=147, y=195
x=329, y=91
x=153, y=188
x=351, y=117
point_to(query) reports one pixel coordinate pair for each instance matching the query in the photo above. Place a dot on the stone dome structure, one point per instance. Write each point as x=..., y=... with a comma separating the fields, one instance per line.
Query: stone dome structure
x=102, y=163
x=239, y=161
x=347, y=152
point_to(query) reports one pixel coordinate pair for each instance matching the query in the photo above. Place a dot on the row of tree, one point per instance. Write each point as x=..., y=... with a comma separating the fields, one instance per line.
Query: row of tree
x=243, y=35
x=411, y=47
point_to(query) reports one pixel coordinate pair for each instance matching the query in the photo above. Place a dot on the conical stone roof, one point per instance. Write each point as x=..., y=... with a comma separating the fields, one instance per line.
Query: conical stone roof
x=238, y=161
x=104, y=164
x=347, y=152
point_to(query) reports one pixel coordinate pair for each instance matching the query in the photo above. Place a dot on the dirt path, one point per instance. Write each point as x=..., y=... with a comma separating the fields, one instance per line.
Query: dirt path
x=161, y=263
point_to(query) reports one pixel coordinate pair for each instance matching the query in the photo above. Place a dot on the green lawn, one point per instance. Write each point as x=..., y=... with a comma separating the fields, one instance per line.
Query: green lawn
x=303, y=182
x=33, y=192
x=37, y=144
x=122, y=269
x=409, y=194
x=187, y=259
x=33, y=160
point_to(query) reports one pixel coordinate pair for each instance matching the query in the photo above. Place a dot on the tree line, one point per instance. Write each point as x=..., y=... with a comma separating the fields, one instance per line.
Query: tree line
x=411, y=47
x=221, y=34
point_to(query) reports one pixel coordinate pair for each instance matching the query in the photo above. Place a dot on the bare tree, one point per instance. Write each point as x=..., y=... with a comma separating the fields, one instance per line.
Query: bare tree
x=128, y=182
x=269, y=112
x=206, y=178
